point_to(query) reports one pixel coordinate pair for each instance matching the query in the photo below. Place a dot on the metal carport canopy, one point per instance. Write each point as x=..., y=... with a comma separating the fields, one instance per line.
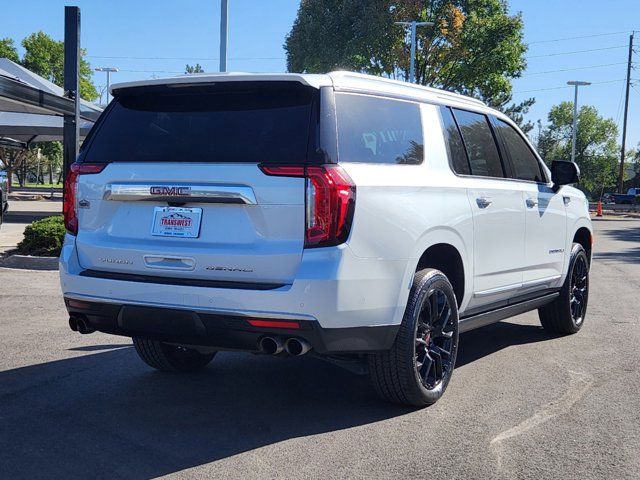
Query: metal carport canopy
x=23, y=91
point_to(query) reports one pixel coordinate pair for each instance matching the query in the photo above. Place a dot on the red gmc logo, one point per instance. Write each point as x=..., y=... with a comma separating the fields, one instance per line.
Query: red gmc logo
x=170, y=191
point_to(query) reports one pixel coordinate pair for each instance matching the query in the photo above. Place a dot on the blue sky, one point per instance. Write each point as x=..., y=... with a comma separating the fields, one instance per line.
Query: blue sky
x=146, y=38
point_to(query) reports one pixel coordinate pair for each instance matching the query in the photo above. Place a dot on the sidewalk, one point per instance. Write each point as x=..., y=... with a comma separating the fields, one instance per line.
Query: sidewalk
x=21, y=214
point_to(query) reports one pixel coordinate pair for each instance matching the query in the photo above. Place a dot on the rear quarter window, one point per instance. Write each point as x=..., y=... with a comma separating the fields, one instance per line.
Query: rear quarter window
x=378, y=130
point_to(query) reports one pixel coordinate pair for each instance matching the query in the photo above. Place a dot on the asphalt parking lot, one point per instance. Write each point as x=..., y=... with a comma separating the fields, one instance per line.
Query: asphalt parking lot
x=521, y=404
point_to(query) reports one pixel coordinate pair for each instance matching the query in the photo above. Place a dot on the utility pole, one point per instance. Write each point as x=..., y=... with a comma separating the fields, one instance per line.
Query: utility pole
x=626, y=112
x=576, y=84
x=224, y=33
x=108, y=70
x=413, y=25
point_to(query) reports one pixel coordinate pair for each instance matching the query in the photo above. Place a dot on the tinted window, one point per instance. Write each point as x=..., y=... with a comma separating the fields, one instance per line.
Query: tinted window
x=484, y=158
x=454, y=143
x=378, y=130
x=525, y=164
x=219, y=123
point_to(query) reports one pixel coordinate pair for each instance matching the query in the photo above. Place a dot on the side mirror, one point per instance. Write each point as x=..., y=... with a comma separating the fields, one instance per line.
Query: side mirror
x=564, y=173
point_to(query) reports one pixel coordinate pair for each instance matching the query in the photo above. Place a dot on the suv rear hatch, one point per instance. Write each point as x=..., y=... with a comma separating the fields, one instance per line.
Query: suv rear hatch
x=183, y=196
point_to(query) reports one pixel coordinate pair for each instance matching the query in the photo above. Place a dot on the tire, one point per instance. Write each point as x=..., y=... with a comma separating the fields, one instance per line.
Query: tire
x=418, y=367
x=171, y=358
x=564, y=315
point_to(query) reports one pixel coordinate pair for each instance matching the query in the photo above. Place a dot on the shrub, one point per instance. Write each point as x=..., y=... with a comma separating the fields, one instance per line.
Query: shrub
x=43, y=237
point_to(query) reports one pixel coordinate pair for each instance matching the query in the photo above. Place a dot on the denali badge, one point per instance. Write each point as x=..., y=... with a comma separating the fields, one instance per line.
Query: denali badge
x=169, y=191
x=229, y=269
x=118, y=261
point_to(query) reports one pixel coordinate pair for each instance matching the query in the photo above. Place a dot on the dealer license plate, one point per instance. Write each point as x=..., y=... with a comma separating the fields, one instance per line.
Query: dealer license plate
x=176, y=222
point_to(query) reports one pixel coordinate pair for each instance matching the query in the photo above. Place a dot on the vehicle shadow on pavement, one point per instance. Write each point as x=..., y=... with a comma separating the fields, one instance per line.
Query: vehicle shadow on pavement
x=107, y=415
x=484, y=341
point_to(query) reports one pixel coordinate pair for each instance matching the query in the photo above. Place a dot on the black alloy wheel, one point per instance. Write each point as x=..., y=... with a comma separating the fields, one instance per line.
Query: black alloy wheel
x=434, y=339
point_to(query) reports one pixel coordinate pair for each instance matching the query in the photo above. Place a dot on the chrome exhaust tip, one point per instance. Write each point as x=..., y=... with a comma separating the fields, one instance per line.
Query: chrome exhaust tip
x=270, y=345
x=296, y=347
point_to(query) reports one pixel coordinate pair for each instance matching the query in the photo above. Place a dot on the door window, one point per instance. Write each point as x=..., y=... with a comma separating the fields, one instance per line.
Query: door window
x=524, y=162
x=480, y=145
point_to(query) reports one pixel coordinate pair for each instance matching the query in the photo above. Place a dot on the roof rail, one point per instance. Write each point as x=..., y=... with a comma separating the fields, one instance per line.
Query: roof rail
x=411, y=86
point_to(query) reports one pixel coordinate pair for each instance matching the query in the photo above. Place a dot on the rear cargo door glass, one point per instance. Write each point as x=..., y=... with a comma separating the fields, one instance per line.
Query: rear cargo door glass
x=214, y=124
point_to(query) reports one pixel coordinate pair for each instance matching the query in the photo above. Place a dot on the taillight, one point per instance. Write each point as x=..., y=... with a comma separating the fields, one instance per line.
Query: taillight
x=330, y=199
x=70, y=188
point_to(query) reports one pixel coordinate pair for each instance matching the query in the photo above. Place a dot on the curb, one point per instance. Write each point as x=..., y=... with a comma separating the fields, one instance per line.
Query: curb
x=29, y=262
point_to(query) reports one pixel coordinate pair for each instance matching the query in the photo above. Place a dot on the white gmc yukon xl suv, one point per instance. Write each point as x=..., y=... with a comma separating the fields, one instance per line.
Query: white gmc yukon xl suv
x=363, y=220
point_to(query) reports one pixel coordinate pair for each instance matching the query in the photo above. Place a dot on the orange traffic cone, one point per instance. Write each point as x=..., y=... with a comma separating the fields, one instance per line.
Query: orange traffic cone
x=599, y=209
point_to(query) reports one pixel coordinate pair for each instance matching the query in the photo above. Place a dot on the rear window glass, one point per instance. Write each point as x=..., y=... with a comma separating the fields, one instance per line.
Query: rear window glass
x=482, y=151
x=218, y=123
x=378, y=130
x=454, y=143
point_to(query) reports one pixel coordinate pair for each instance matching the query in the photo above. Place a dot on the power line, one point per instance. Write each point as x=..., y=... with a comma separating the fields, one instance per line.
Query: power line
x=578, y=37
x=576, y=68
x=566, y=86
x=577, y=51
x=183, y=58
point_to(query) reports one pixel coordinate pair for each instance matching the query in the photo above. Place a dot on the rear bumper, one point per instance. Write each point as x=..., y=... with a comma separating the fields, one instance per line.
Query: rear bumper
x=344, y=301
x=224, y=332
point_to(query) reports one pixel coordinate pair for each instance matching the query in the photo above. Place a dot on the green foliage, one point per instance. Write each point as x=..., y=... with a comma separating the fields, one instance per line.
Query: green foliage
x=193, y=69
x=596, y=145
x=45, y=56
x=475, y=47
x=43, y=237
x=8, y=50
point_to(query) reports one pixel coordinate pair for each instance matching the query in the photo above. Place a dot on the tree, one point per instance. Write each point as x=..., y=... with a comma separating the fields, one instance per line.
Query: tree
x=189, y=69
x=475, y=47
x=11, y=159
x=597, y=152
x=45, y=57
x=8, y=50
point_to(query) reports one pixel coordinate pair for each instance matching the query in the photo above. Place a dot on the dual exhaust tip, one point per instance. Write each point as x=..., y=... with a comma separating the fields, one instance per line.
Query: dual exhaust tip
x=275, y=345
x=269, y=345
x=79, y=324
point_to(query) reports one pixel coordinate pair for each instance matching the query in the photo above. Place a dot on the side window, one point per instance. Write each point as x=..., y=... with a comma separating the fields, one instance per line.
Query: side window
x=524, y=162
x=482, y=151
x=378, y=130
x=454, y=143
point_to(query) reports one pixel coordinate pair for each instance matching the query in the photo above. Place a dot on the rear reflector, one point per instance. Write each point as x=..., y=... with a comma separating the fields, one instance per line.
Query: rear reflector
x=275, y=324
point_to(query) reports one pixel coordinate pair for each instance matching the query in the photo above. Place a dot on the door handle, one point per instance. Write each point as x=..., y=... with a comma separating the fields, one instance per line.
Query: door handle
x=531, y=202
x=483, y=202
x=566, y=200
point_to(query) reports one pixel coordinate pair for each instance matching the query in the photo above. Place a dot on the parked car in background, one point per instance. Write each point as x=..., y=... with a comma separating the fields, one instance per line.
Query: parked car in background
x=359, y=219
x=619, y=198
x=4, y=193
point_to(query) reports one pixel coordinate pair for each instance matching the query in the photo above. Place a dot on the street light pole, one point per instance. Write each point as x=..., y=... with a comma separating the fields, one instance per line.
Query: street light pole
x=108, y=70
x=224, y=33
x=576, y=84
x=413, y=25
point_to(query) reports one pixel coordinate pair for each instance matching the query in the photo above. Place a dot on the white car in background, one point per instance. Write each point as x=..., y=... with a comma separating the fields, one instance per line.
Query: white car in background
x=351, y=217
